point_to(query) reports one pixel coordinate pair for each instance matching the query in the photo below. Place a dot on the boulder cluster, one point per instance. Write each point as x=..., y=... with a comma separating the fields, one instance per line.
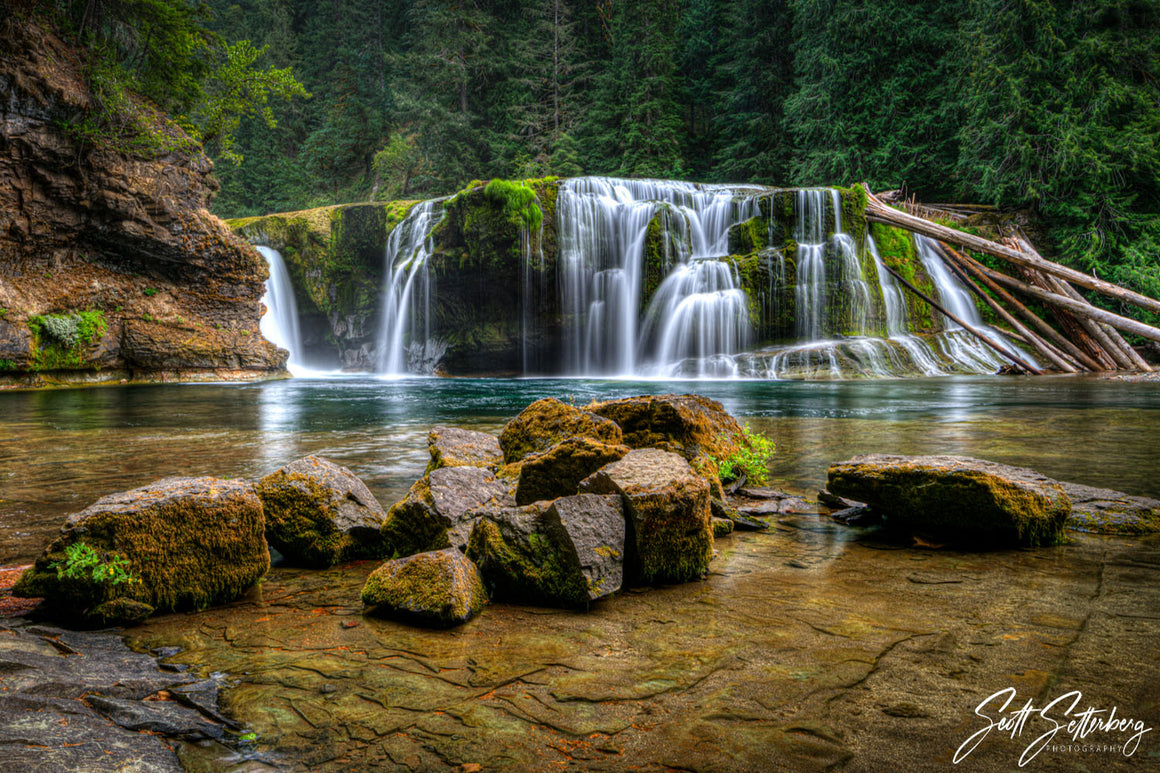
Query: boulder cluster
x=565, y=507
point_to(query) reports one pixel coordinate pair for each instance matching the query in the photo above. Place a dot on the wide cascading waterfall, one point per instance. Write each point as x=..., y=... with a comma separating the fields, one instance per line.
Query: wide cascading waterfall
x=405, y=341
x=697, y=312
x=279, y=324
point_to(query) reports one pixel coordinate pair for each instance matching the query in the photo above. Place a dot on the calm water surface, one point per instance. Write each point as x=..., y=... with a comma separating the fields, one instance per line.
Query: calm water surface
x=60, y=451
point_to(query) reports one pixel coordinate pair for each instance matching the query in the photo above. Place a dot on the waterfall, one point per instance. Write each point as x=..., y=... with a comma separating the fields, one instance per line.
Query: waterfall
x=697, y=312
x=279, y=324
x=405, y=342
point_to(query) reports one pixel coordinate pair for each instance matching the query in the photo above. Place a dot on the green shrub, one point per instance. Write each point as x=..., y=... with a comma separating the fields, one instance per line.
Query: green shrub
x=61, y=340
x=751, y=459
x=82, y=562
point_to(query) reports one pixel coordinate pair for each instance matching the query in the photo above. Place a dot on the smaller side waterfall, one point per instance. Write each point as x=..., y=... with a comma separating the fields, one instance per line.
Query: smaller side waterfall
x=279, y=324
x=405, y=344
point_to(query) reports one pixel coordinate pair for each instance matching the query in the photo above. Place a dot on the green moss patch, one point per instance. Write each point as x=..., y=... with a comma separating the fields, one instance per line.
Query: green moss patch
x=63, y=341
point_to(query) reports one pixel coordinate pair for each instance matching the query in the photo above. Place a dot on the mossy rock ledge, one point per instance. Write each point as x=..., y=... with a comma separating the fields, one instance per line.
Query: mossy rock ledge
x=957, y=498
x=189, y=543
x=319, y=514
x=440, y=589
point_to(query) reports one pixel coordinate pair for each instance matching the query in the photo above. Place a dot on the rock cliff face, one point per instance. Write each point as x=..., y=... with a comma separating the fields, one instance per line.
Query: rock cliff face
x=111, y=266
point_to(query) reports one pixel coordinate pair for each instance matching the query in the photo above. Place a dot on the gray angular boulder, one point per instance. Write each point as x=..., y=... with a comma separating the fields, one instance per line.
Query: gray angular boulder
x=440, y=589
x=319, y=514
x=175, y=544
x=666, y=505
x=455, y=447
x=956, y=498
x=569, y=552
x=438, y=511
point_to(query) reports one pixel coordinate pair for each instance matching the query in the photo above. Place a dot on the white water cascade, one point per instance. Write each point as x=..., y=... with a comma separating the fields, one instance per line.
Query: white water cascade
x=405, y=342
x=279, y=324
x=697, y=312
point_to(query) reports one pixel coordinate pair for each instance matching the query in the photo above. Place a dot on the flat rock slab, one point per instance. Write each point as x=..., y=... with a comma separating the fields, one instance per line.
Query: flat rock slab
x=957, y=498
x=319, y=513
x=1103, y=511
x=84, y=701
x=455, y=447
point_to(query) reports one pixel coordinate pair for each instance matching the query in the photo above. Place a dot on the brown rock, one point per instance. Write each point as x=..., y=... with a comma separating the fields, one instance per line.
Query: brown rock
x=439, y=510
x=441, y=588
x=558, y=471
x=546, y=422
x=454, y=447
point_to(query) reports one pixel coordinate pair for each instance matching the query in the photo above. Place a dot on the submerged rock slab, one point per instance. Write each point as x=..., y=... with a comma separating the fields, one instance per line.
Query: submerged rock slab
x=557, y=472
x=455, y=447
x=319, y=513
x=956, y=497
x=546, y=422
x=441, y=589
x=569, y=552
x=438, y=511
x=1103, y=511
x=188, y=543
x=670, y=533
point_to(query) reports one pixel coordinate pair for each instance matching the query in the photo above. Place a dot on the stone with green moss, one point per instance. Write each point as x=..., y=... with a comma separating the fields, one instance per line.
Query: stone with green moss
x=440, y=589
x=557, y=471
x=956, y=498
x=697, y=428
x=189, y=543
x=666, y=505
x=722, y=527
x=455, y=447
x=439, y=510
x=319, y=514
x=569, y=552
x=546, y=422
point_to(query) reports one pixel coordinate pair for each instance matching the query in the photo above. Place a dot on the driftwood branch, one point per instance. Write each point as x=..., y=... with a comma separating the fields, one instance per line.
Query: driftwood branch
x=878, y=212
x=965, y=325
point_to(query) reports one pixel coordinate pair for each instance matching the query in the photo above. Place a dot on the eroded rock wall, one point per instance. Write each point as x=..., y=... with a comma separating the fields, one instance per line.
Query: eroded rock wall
x=111, y=266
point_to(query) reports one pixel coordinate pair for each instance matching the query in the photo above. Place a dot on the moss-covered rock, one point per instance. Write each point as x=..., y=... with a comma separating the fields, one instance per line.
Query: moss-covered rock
x=439, y=510
x=956, y=498
x=697, y=428
x=440, y=589
x=557, y=471
x=666, y=505
x=569, y=552
x=454, y=447
x=546, y=422
x=319, y=514
x=722, y=527
x=176, y=544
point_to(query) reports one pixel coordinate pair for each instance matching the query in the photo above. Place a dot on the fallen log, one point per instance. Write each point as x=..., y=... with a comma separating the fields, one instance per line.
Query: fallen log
x=1020, y=362
x=878, y=212
x=1060, y=341
x=1024, y=334
x=1079, y=309
x=1052, y=335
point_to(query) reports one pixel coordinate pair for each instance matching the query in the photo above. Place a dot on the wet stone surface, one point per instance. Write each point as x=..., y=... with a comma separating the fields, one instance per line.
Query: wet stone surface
x=812, y=646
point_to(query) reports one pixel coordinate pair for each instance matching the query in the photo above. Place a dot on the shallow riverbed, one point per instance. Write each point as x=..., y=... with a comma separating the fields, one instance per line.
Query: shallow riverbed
x=809, y=647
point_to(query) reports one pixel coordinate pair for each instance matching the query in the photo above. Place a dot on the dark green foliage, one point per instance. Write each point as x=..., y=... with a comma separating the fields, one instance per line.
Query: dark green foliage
x=62, y=341
x=518, y=201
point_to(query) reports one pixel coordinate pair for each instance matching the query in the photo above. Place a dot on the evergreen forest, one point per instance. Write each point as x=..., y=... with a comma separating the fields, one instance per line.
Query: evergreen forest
x=1048, y=105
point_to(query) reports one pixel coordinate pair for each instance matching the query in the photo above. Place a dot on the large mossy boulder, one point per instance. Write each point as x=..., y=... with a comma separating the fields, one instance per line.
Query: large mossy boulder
x=440, y=589
x=455, y=447
x=697, y=428
x=546, y=422
x=557, y=472
x=666, y=504
x=319, y=514
x=176, y=544
x=956, y=498
x=569, y=552
x=438, y=511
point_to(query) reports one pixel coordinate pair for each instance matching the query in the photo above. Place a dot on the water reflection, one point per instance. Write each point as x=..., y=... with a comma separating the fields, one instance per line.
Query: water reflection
x=61, y=450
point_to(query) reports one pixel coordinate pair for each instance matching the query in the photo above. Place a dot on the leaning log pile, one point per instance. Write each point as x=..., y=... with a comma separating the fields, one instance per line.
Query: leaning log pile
x=1089, y=339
